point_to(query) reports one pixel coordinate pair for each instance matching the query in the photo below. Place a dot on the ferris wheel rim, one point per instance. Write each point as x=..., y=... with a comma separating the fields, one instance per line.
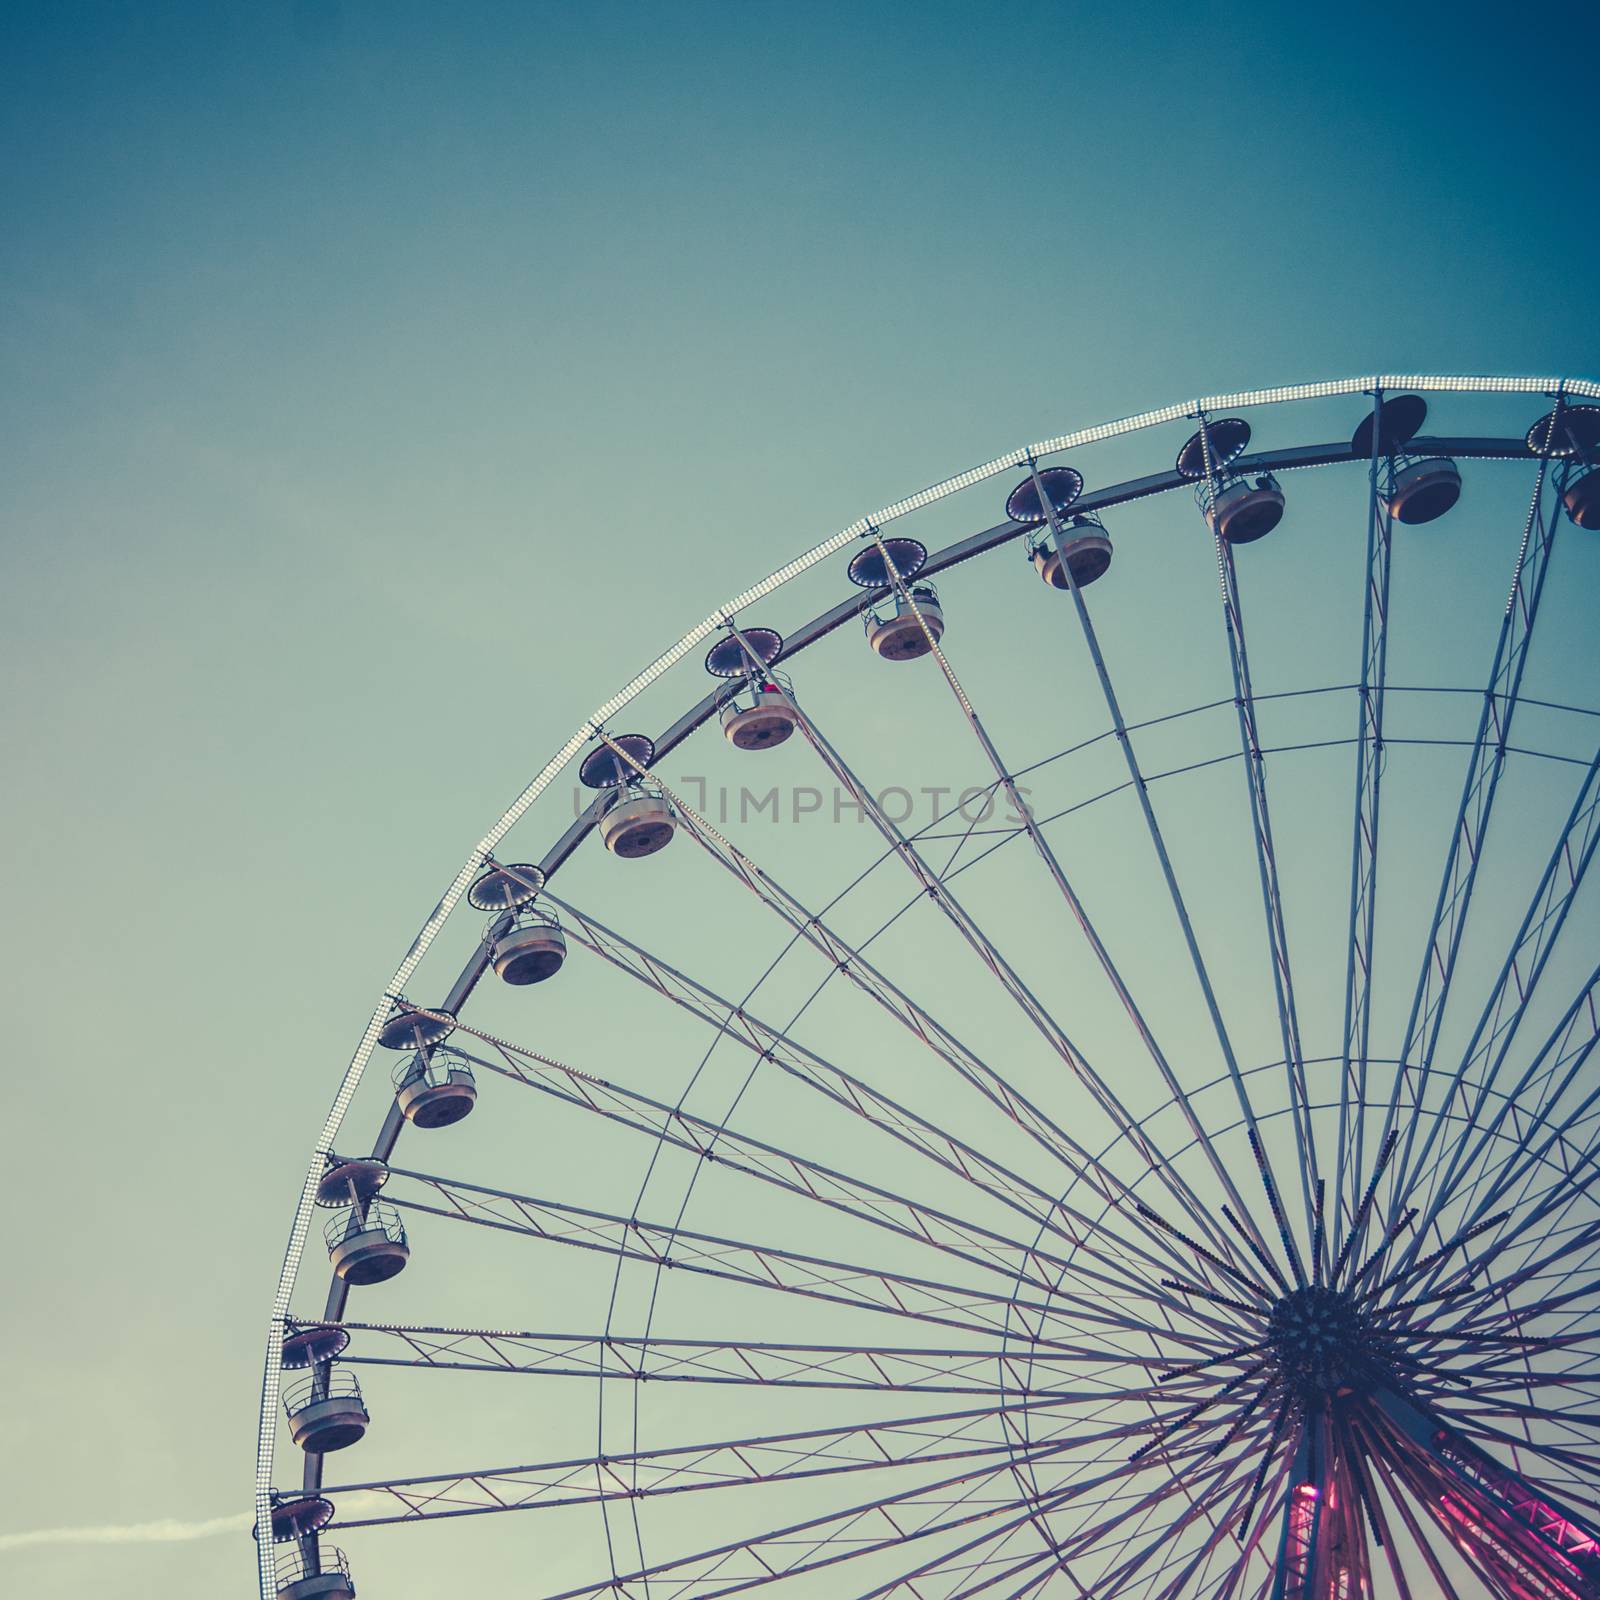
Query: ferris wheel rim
x=482, y=853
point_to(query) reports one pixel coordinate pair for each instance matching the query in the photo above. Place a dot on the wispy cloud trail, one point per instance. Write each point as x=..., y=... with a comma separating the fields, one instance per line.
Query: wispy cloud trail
x=167, y=1531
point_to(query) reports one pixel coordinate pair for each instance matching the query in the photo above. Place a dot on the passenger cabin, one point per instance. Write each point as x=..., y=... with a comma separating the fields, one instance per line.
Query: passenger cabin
x=757, y=709
x=1238, y=507
x=635, y=817
x=1416, y=487
x=903, y=621
x=1571, y=435
x=326, y=1411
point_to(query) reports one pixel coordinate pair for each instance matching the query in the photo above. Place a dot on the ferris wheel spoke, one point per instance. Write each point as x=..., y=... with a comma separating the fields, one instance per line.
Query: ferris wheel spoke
x=640, y=1359
x=1215, y=1502
x=1104, y=1095
x=969, y=1560
x=1481, y=1418
x=1568, y=1187
x=1271, y=892
x=1514, y=989
x=1495, y=1351
x=1547, y=1406
x=1473, y=815
x=1482, y=1309
x=1488, y=1351
x=1140, y=786
x=934, y=886
x=1566, y=1142
x=1545, y=1261
x=1399, y=1499
x=1460, y=1483
x=1116, y=1252
x=1568, y=1190
x=1271, y=1474
x=1479, y=1364
x=937, y=1229
x=1251, y=749
x=1581, y=1240
x=771, y=1558
x=1546, y=1087
x=1249, y=1423
x=864, y=1288
x=1040, y=1563
x=1533, y=1194
x=1215, y=1481
x=1195, y=1572
x=1511, y=1182
x=790, y=1550
x=1567, y=1311
x=940, y=1439
x=1361, y=938
x=992, y=1536
x=853, y=965
x=974, y=1571
x=731, y=1151
x=1554, y=1069
x=1032, y=1586
x=831, y=1553
x=775, y=1556
x=809, y=927
x=1071, y=1545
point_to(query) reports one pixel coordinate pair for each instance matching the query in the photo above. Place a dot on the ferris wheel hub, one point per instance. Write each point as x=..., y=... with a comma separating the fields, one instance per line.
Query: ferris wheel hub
x=1324, y=1344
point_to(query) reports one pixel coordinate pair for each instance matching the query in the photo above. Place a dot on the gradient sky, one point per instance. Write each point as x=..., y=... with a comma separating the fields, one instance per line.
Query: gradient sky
x=385, y=383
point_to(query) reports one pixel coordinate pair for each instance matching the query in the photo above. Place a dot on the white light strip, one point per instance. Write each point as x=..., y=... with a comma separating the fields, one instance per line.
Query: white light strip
x=267, y=1430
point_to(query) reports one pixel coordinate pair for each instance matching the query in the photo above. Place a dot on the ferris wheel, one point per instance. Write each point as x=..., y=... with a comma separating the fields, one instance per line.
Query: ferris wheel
x=1019, y=1084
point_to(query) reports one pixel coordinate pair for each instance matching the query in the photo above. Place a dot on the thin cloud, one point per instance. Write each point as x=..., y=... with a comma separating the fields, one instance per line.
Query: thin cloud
x=167, y=1531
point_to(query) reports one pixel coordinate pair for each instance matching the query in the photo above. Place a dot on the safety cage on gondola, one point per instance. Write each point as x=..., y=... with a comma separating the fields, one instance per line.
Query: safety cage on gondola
x=326, y=1410
x=434, y=1088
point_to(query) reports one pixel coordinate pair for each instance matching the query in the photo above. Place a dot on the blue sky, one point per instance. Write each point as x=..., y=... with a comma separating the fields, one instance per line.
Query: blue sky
x=384, y=384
